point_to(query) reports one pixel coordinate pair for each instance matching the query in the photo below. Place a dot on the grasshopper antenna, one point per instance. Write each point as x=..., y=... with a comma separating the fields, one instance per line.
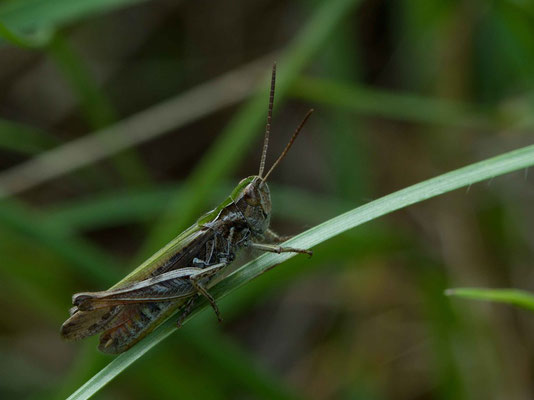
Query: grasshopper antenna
x=289, y=144
x=269, y=119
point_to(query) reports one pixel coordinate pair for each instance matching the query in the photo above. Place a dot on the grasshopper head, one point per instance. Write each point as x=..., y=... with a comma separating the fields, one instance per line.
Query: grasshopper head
x=254, y=201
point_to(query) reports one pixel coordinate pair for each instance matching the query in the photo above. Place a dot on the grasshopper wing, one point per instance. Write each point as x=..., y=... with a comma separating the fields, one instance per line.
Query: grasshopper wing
x=134, y=322
x=82, y=324
x=170, y=285
x=125, y=324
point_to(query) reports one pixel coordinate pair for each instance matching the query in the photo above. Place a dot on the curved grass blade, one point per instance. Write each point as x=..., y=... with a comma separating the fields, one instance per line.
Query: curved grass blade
x=505, y=163
x=514, y=297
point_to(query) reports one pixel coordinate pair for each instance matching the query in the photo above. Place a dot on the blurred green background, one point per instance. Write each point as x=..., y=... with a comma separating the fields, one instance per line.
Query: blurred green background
x=121, y=121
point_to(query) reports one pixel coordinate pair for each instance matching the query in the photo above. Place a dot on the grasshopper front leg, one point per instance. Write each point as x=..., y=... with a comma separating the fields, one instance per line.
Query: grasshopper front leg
x=279, y=249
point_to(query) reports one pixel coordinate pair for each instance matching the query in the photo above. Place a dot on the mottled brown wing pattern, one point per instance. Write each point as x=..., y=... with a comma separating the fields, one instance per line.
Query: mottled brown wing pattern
x=134, y=323
x=83, y=324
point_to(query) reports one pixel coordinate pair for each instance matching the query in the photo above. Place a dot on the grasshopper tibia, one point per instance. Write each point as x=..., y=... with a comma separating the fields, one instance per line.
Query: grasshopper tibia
x=204, y=292
x=279, y=249
x=196, y=282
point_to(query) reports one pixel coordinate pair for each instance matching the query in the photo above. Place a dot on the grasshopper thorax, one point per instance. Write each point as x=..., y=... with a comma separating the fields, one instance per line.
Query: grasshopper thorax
x=254, y=202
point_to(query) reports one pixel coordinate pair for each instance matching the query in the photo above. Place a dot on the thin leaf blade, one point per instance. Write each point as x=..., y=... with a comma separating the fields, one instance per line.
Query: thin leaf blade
x=514, y=297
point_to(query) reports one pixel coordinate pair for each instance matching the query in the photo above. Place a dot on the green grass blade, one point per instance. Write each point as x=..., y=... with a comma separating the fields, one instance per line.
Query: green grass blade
x=514, y=297
x=505, y=163
x=36, y=40
x=238, y=365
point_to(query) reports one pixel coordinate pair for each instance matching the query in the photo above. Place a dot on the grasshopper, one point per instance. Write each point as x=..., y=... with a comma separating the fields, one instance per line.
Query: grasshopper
x=181, y=272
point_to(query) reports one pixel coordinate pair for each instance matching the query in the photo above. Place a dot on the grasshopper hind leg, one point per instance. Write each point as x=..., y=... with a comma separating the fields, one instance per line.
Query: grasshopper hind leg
x=186, y=310
x=195, y=281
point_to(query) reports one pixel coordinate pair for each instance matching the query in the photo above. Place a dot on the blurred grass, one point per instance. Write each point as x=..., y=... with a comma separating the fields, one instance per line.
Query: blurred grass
x=446, y=329
x=36, y=40
x=24, y=139
x=380, y=103
x=38, y=14
x=96, y=106
x=345, y=146
x=93, y=263
x=148, y=124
